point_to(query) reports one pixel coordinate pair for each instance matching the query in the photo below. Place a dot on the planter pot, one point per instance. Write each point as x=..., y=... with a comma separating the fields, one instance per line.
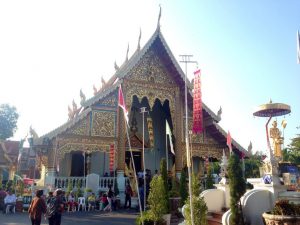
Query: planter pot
x=174, y=203
x=271, y=219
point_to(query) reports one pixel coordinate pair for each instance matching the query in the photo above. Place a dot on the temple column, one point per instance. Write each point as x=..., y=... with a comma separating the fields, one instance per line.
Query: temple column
x=121, y=141
x=178, y=132
x=121, y=185
x=51, y=171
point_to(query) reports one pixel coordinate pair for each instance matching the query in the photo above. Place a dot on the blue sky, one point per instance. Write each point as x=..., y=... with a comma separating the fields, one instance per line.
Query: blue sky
x=245, y=49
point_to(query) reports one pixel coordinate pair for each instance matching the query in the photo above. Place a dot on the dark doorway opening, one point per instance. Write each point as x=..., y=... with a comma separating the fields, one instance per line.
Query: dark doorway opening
x=137, y=156
x=77, y=165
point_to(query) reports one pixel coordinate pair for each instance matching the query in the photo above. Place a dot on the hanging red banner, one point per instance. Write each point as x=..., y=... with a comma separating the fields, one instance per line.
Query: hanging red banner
x=112, y=157
x=197, y=104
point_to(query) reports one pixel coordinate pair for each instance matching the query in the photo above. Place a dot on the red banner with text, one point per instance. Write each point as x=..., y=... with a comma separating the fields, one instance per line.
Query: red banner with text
x=197, y=104
x=112, y=157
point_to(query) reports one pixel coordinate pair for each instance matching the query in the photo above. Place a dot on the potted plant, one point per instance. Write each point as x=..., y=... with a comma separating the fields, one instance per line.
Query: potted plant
x=284, y=212
x=237, y=186
x=157, y=204
x=199, y=205
x=174, y=199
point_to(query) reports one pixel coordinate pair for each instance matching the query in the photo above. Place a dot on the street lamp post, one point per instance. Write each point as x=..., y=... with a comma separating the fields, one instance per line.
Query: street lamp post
x=186, y=60
x=143, y=110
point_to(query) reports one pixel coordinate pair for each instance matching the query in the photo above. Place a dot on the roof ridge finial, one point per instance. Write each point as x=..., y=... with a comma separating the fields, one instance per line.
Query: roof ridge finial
x=116, y=66
x=127, y=53
x=159, y=16
x=139, y=41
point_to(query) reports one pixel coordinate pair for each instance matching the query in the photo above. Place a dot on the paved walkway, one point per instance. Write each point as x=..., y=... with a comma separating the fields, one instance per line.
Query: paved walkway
x=120, y=217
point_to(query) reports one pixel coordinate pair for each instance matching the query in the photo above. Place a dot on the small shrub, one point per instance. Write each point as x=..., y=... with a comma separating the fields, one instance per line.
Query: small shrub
x=286, y=208
x=157, y=203
x=183, y=188
x=199, y=211
x=209, y=179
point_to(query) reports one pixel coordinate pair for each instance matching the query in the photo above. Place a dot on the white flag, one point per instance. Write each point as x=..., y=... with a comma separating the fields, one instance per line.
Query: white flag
x=169, y=133
x=298, y=47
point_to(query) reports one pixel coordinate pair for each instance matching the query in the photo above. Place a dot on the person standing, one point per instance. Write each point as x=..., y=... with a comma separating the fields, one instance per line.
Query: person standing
x=37, y=208
x=128, y=194
x=110, y=195
x=55, y=207
x=2, y=196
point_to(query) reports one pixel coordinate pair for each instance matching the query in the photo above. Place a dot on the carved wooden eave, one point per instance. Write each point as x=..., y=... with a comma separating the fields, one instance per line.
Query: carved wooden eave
x=218, y=132
x=52, y=134
x=136, y=142
x=5, y=160
x=127, y=66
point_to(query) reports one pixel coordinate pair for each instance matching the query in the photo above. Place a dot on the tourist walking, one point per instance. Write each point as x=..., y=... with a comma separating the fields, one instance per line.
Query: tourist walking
x=37, y=208
x=128, y=194
x=55, y=207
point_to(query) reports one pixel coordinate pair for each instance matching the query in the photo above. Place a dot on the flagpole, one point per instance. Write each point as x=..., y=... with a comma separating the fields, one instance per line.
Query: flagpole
x=167, y=158
x=122, y=104
x=186, y=60
x=134, y=171
x=143, y=110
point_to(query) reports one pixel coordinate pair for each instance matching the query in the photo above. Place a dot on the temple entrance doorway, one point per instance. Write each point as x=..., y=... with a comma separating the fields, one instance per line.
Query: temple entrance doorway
x=137, y=157
x=157, y=146
x=77, y=166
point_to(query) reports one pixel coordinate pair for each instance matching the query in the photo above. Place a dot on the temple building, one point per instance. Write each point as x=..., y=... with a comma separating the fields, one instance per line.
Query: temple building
x=150, y=78
x=11, y=164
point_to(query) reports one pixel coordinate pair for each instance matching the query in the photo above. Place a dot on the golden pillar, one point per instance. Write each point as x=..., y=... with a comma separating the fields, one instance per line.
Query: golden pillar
x=178, y=132
x=121, y=140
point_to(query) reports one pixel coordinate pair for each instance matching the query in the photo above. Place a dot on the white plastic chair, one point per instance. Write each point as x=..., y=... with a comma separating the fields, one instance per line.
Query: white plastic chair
x=10, y=207
x=81, y=202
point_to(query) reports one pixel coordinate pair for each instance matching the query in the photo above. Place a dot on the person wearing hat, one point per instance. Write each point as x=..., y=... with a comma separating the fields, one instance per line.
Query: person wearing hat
x=37, y=208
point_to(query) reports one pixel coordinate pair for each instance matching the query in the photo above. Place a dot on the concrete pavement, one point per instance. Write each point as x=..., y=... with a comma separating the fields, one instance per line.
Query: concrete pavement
x=120, y=217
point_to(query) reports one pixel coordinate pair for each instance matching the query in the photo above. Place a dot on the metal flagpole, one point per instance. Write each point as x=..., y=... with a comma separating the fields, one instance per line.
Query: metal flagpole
x=143, y=110
x=167, y=155
x=134, y=171
x=186, y=60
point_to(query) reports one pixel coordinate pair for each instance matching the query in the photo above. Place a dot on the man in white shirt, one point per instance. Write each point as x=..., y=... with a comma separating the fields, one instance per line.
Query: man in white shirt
x=9, y=200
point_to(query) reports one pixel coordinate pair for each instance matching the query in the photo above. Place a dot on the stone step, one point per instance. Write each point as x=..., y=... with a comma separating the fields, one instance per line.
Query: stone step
x=214, y=221
x=217, y=215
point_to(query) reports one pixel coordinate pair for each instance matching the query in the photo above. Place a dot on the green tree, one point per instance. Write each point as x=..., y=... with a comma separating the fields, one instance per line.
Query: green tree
x=164, y=176
x=183, y=187
x=292, y=152
x=70, y=186
x=158, y=205
x=196, y=187
x=175, y=188
x=209, y=178
x=78, y=192
x=199, y=205
x=8, y=121
x=252, y=165
x=237, y=187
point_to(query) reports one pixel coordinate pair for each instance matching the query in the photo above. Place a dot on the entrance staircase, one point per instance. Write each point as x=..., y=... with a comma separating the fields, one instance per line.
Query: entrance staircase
x=214, y=218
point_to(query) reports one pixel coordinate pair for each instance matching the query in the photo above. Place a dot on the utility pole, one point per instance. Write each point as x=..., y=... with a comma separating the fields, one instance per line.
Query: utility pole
x=187, y=59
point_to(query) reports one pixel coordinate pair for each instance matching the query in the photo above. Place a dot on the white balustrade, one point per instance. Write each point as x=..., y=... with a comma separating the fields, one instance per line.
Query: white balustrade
x=63, y=182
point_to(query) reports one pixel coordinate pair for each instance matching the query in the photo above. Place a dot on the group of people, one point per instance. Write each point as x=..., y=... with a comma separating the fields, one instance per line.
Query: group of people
x=55, y=203
x=52, y=207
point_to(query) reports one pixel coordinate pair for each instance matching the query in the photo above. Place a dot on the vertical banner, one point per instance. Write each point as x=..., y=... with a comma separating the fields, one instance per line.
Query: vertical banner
x=150, y=131
x=228, y=142
x=112, y=157
x=197, y=104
